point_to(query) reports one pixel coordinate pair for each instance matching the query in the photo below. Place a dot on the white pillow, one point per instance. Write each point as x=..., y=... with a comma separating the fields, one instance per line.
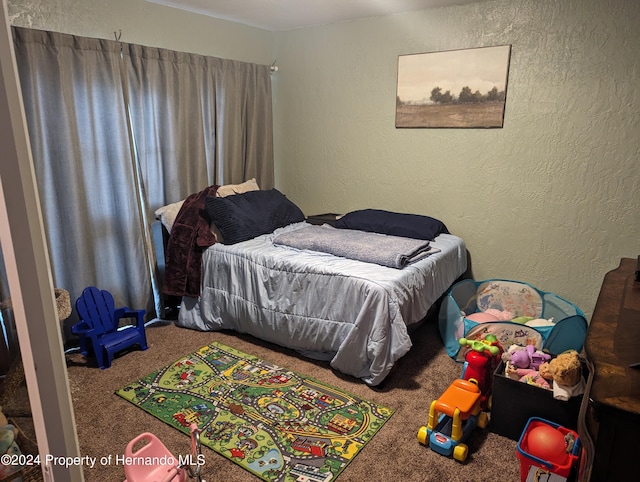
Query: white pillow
x=167, y=214
x=230, y=189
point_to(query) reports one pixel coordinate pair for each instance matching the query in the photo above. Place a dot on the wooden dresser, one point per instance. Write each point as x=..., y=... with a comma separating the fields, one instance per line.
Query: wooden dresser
x=612, y=345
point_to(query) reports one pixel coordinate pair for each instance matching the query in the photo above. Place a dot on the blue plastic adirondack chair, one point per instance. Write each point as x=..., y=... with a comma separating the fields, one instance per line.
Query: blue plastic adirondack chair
x=99, y=326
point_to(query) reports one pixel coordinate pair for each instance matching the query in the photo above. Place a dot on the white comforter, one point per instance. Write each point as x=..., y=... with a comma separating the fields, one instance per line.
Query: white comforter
x=350, y=312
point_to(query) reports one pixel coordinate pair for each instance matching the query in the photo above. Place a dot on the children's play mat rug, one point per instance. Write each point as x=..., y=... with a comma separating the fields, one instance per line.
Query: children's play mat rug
x=277, y=424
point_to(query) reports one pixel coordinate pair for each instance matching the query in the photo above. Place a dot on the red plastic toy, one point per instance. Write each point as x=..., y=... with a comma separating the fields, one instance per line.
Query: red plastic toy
x=547, y=447
x=481, y=361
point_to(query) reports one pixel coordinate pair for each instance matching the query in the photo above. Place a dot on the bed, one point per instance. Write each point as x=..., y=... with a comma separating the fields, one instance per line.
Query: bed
x=355, y=314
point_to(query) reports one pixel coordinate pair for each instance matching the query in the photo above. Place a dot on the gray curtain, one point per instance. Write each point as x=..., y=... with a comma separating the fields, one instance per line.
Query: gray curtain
x=198, y=121
x=9, y=348
x=99, y=111
x=76, y=118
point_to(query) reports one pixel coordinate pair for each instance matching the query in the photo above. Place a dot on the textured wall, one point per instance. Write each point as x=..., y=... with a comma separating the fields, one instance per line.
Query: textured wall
x=553, y=198
x=145, y=23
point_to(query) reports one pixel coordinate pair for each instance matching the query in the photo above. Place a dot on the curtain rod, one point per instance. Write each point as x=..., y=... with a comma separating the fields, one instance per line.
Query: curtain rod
x=118, y=36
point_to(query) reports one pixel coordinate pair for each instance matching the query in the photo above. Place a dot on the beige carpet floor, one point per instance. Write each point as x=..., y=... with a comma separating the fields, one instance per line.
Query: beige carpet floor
x=106, y=423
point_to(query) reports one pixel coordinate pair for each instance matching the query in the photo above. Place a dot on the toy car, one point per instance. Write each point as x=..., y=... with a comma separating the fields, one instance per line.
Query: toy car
x=452, y=418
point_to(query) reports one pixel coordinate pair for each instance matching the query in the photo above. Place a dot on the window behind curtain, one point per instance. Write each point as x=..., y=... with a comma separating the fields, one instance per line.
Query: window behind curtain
x=196, y=121
x=77, y=126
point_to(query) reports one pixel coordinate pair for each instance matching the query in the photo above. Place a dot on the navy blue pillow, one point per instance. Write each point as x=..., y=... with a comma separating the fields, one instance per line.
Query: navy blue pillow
x=413, y=226
x=240, y=217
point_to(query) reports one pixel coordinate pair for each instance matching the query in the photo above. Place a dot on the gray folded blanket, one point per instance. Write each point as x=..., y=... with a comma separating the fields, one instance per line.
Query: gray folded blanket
x=391, y=251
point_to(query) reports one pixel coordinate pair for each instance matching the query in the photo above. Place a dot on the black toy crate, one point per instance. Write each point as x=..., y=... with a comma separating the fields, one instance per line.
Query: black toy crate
x=514, y=402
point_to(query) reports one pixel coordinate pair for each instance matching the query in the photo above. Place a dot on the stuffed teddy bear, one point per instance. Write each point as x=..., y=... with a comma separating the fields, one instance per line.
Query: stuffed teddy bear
x=566, y=372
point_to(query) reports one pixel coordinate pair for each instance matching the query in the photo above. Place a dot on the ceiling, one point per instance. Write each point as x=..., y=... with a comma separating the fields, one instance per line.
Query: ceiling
x=278, y=15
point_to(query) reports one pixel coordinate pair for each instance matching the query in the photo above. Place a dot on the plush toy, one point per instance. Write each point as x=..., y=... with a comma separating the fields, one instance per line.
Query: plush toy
x=482, y=317
x=509, y=367
x=522, y=319
x=8, y=445
x=540, y=322
x=489, y=316
x=532, y=377
x=566, y=372
x=525, y=357
x=501, y=315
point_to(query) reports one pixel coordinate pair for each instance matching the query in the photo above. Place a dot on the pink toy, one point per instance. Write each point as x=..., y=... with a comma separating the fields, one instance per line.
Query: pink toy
x=147, y=447
x=532, y=377
x=153, y=450
x=499, y=314
x=482, y=317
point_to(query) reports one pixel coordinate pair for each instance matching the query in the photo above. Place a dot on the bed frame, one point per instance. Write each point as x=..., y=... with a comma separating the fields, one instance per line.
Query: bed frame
x=170, y=305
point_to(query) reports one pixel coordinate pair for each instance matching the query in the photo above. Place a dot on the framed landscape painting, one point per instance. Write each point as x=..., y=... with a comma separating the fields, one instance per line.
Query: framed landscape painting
x=456, y=88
